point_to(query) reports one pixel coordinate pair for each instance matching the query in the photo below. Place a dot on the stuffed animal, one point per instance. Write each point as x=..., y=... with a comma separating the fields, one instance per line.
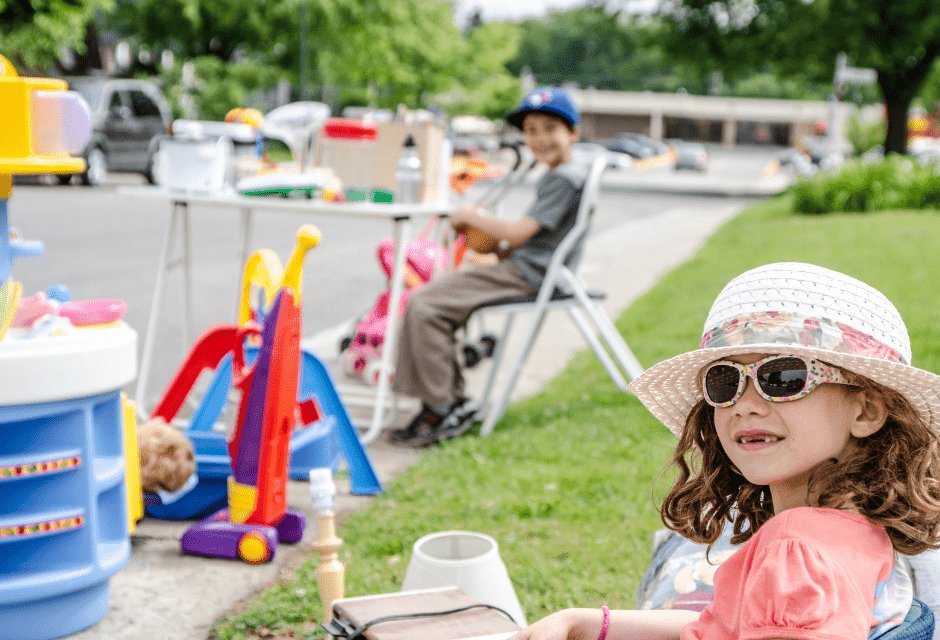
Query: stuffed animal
x=166, y=456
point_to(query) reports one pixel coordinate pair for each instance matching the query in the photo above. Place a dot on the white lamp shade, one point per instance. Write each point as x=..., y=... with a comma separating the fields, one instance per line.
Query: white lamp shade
x=466, y=560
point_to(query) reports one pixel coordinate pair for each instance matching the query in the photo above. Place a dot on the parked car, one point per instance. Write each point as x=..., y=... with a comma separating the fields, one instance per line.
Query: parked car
x=128, y=118
x=586, y=151
x=637, y=145
x=691, y=155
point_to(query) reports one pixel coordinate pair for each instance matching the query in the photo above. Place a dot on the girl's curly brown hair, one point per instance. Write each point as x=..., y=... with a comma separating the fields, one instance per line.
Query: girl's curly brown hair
x=892, y=477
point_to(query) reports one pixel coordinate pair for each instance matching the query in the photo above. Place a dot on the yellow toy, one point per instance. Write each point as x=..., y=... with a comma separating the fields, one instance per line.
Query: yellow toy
x=42, y=123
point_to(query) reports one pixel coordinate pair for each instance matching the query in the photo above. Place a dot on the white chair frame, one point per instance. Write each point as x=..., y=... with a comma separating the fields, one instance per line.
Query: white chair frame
x=620, y=363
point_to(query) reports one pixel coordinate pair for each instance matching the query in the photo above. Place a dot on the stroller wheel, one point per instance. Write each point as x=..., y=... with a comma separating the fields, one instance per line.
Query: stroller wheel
x=372, y=371
x=473, y=353
x=488, y=342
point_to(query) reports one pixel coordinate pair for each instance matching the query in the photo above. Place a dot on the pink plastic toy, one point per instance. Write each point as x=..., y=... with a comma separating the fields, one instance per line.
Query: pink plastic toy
x=423, y=257
x=81, y=313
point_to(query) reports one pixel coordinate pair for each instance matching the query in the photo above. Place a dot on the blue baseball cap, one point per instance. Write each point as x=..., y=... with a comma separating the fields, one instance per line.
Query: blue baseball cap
x=545, y=100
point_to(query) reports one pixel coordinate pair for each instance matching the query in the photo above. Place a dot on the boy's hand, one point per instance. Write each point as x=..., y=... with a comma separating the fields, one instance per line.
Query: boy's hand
x=466, y=219
x=462, y=217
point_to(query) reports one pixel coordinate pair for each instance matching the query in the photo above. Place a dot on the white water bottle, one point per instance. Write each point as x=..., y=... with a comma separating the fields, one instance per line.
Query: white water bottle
x=408, y=174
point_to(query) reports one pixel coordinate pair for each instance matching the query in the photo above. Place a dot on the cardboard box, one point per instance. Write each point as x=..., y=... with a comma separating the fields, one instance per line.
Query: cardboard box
x=429, y=138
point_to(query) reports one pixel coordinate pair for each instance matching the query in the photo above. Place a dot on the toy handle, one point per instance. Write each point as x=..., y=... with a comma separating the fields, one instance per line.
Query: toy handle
x=241, y=372
x=308, y=236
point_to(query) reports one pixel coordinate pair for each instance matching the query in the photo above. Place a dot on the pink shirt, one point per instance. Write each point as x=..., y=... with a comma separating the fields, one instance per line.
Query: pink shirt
x=807, y=574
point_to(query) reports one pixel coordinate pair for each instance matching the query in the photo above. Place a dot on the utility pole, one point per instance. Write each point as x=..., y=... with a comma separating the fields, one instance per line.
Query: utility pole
x=304, y=50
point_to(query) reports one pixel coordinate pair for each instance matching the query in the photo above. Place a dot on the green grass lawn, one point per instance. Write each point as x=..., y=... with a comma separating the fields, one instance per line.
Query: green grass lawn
x=566, y=484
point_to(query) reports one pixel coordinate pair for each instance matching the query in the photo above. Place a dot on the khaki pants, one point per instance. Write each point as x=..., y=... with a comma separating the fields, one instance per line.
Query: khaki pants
x=427, y=366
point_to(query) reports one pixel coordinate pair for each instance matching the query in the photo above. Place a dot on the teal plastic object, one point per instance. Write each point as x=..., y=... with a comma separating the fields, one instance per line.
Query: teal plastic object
x=63, y=515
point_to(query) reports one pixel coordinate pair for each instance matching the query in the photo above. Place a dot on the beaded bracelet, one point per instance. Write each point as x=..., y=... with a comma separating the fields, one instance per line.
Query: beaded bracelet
x=606, y=624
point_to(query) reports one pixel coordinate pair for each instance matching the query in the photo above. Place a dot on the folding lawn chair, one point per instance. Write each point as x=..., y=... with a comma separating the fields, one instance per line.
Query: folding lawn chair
x=551, y=295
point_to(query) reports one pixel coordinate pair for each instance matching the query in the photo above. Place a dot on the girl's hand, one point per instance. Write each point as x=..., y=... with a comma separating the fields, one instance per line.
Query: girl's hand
x=557, y=626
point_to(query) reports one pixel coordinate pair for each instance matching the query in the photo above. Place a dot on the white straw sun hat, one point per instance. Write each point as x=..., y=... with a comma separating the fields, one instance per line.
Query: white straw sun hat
x=798, y=309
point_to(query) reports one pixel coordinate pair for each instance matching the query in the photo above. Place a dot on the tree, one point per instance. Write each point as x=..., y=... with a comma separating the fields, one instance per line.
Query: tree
x=485, y=87
x=191, y=28
x=592, y=46
x=34, y=32
x=377, y=52
x=900, y=40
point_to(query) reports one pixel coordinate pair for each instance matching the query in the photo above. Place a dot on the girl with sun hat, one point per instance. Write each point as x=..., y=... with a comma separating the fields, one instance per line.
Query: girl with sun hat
x=804, y=427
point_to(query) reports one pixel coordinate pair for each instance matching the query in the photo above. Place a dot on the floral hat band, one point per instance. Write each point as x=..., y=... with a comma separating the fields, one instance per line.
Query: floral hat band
x=825, y=334
x=798, y=309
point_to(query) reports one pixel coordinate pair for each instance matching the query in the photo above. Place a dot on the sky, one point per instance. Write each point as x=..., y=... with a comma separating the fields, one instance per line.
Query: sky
x=513, y=9
x=520, y=9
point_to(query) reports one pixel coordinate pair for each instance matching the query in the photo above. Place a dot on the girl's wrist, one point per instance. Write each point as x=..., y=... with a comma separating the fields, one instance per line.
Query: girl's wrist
x=586, y=624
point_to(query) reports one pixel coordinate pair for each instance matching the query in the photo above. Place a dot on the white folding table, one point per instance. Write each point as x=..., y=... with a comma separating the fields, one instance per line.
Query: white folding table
x=399, y=214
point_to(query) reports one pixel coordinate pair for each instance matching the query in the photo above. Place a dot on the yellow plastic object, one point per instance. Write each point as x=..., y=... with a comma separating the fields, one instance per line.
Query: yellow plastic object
x=17, y=150
x=263, y=270
x=242, y=499
x=135, y=496
x=6, y=183
x=9, y=298
x=253, y=548
x=246, y=115
x=308, y=236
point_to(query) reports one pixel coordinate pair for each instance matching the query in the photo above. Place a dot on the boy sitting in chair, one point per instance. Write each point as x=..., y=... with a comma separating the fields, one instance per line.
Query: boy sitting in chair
x=427, y=366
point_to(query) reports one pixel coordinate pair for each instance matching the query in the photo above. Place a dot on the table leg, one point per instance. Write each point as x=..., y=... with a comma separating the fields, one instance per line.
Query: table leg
x=143, y=376
x=187, y=282
x=245, y=223
x=402, y=229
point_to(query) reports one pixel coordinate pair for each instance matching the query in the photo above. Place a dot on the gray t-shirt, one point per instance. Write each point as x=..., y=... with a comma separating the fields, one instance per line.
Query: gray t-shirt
x=557, y=196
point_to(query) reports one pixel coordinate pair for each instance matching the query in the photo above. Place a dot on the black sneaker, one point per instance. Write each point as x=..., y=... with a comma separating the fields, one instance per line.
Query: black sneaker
x=457, y=422
x=427, y=427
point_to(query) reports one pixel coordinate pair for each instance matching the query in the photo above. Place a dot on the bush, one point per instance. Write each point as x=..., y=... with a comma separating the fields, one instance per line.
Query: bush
x=865, y=136
x=897, y=182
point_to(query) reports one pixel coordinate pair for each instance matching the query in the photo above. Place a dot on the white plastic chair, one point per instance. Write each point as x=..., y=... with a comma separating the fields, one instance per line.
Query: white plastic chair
x=620, y=362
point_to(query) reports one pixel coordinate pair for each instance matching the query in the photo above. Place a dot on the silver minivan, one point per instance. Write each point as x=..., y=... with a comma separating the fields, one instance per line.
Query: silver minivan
x=128, y=118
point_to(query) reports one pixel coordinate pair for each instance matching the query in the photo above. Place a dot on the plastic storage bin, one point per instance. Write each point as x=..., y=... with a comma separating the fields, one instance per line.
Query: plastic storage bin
x=347, y=146
x=63, y=516
x=195, y=166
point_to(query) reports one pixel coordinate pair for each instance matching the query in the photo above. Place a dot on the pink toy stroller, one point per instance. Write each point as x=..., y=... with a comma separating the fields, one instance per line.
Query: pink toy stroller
x=423, y=257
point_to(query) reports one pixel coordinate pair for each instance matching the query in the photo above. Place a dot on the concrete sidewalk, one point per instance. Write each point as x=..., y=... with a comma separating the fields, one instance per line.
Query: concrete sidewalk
x=163, y=594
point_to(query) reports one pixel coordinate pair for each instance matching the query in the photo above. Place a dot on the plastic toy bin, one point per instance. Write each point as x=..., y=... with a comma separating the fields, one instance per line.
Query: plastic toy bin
x=63, y=512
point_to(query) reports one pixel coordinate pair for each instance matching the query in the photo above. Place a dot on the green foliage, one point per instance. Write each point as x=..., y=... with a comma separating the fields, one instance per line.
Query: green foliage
x=33, y=32
x=929, y=96
x=593, y=47
x=865, y=136
x=897, y=182
x=220, y=86
x=192, y=29
x=770, y=85
x=406, y=47
x=566, y=484
x=379, y=53
x=483, y=85
x=900, y=40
